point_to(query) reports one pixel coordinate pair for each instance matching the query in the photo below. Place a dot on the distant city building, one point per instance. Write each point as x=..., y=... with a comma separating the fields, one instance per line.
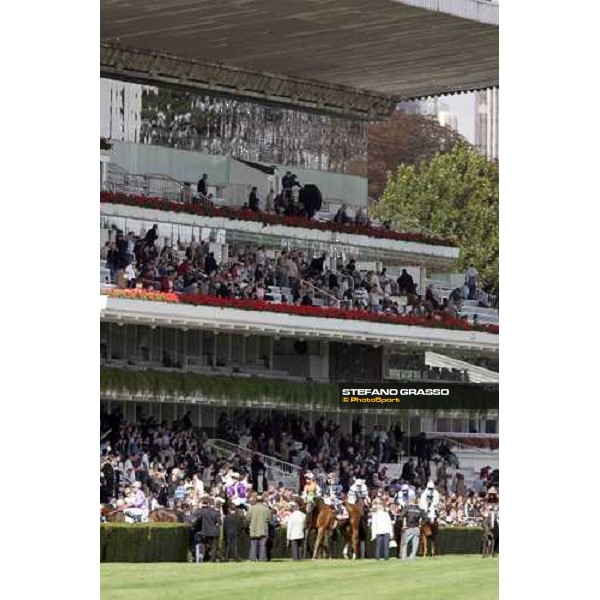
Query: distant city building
x=486, y=122
x=120, y=110
x=427, y=108
x=432, y=107
x=447, y=118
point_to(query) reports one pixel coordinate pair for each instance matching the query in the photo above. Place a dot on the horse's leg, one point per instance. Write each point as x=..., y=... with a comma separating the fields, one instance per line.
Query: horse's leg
x=318, y=542
x=305, y=549
x=355, y=542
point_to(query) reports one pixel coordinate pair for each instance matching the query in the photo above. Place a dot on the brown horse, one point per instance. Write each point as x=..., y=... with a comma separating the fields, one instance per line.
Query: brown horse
x=351, y=531
x=112, y=515
x=428, y=537
x=319, y=518
x=165, y=515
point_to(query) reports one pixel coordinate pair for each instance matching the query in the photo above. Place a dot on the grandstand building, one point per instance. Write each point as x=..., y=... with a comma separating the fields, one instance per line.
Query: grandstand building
x=172, y=353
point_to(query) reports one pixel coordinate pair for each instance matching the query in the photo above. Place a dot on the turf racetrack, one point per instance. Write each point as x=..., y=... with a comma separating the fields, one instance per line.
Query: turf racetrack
x=445, y=578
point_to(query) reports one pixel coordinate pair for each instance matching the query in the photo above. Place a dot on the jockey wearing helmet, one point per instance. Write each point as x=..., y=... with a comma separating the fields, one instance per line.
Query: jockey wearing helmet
x=137, y=504
x=311, y=489
x=358, y=491
x=333, y=492
x=405, y=494
x=430, y=501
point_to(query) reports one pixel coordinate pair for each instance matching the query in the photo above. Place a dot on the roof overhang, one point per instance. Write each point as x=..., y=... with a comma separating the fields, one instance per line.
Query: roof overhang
x=352, y=57
x=232, y=320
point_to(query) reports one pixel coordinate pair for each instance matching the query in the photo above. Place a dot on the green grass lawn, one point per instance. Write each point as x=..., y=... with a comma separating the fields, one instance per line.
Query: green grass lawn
x=444, y=578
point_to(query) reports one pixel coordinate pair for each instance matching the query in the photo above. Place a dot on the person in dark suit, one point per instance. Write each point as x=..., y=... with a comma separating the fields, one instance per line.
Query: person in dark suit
x=233, y=525
x=208, y=525
x=203, y=185
x=406, y=284
x=210, y=266
x=253, y=200
x=152, y=235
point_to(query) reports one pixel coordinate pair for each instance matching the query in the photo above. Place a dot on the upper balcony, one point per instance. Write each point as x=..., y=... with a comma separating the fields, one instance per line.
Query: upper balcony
x=187, y=221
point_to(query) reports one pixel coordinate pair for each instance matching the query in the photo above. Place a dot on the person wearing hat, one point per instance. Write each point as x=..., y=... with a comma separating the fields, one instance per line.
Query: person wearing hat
x=295, y=530
x=311, y=489
x=333, y=492
x=257, y=519
x=405, y=493
x=208, y=526
x=358, y=491
x=411, y=515
x=137, y=504
x=430, y=501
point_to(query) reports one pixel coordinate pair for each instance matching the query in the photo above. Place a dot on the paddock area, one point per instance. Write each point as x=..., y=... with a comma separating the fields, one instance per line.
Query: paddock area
x=448, y=577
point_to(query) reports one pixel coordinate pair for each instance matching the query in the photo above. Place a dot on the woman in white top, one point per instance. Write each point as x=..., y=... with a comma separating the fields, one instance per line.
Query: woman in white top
x=381, y=531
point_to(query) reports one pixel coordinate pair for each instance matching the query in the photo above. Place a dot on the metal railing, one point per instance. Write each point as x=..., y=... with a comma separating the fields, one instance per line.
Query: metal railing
x=277, y=470
x=320, y=291
x=461, y=445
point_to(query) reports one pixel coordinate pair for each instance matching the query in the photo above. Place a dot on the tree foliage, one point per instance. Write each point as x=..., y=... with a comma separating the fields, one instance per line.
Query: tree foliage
x=404, y=139
x=455, y=195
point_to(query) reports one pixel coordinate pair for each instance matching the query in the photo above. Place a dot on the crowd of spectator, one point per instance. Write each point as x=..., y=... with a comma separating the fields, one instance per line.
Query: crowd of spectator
x=176, y=466
x=251, y=273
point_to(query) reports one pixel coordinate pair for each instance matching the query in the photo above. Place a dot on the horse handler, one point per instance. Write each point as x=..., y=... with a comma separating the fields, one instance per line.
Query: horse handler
x=411, y=535
x=295, y=530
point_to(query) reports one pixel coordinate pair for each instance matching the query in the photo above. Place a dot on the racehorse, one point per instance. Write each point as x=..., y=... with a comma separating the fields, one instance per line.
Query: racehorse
x=160, y=515
x=429, y=534
x=165, y=515
x=321, y=519
x=491, y=535
x=352, y=530
x=112, y=515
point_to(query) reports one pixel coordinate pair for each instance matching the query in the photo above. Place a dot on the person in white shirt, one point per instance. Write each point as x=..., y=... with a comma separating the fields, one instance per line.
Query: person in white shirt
x=198, y=484
x=430, y=501
x=381, y=531
x=295, y=530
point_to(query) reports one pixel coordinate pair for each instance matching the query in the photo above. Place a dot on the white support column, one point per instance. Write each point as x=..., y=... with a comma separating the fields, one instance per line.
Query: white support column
x=422, y=280
x=184, y=361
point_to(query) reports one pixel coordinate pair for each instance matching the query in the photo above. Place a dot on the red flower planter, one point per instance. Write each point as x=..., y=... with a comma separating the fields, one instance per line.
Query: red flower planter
x=438, y=321
x=268, y=219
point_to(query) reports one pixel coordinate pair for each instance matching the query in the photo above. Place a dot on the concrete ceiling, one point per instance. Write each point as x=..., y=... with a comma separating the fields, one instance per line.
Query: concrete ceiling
x=379, y=45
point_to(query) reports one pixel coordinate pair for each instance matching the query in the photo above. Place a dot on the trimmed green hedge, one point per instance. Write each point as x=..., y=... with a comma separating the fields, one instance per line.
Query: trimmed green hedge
x=156, y=542
x=169, y=542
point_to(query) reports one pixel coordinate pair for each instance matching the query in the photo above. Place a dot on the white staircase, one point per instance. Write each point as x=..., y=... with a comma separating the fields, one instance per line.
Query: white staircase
x=476, y=374
x=277, y=470
x=472, y=459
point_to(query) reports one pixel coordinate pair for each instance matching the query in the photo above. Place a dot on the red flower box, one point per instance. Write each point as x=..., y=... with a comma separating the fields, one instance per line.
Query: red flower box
x=441, y=321
x=269, y=219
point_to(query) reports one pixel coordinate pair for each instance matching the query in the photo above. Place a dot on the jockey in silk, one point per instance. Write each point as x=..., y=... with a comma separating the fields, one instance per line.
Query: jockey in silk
x=430, y=502
x=358, y=491
x=311, y=490
x=405, y=494
x=137, y=505
x=333, y=493
x=235, y=489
